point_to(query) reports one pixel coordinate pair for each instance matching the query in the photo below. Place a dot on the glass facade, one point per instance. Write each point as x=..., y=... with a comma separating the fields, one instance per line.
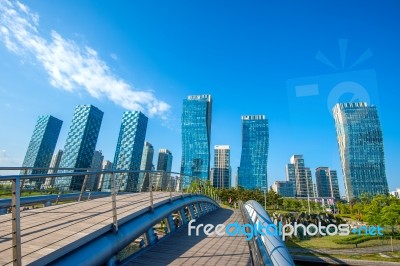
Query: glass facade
x=196, y=132
x=147, y=157
x=301, y=175
x=41, y=146
x=222, y=167
x=361, y=150
x=128, y=154
x=283, y=188
x=80, y=145
x=254, y=156
x=93, y=180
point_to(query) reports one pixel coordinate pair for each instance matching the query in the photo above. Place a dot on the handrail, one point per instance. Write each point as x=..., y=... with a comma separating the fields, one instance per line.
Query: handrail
x=272, y=249
x=164, y=178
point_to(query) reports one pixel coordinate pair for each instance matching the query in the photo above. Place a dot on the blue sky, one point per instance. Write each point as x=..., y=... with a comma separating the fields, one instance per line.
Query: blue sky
x=251, y=57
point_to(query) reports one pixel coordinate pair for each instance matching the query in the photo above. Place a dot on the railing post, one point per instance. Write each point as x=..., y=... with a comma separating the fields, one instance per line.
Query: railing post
x=15, y=220
x=114, y=204
x=23, y=180
x=83, y=188
x=151, y=191
x=58, y=197
x=170, y=187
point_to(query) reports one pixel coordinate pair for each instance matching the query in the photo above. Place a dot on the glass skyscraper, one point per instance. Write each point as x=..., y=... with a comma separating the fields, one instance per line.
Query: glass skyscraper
x=41, y=146
x=80, y=145
x=128, y=154
x=222, y=167
x=254, y=157
x=361, y=151
x=147, y=157
x=196, y=132
x=327, y=182
x=300, y=175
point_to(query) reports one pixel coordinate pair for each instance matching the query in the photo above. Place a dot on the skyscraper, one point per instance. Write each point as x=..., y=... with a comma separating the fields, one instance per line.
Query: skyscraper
x=106, y=165
x=327, y=182
x=361, y=151
x=147, y=157
x=128, y=154
x=291, y=177
x=222, y=167
x=41, y=146
x=80, y=145
x=196, y=132
x=301, y=176
x=55, y=164
x=164, y=162
x=97, y=162
x=254, y=157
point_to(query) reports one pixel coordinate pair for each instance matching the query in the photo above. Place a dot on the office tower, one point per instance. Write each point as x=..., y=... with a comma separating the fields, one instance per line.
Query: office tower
x=106, y=165
x=283, y=188
x=291, y=177
x=92, y=182
x=300, y=175
x=147, y=157
x=222, y=167
x=254, y=157
x=361, y=151
x=80, y=145
x=327, y=183
x=128, y=154
x=41, y=146
x=55, y=164
x=315, y=191
x=196, y=132
x=164, y=163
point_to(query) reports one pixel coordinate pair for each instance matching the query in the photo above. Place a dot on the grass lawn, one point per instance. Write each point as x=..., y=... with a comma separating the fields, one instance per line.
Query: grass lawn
x=328, y=242
x=395, y=256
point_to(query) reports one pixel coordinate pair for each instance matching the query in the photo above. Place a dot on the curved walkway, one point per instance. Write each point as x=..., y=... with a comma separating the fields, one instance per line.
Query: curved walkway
x=182, y=249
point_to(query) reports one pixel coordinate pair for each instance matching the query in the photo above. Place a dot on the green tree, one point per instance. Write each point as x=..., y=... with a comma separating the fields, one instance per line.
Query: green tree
x=391, y=216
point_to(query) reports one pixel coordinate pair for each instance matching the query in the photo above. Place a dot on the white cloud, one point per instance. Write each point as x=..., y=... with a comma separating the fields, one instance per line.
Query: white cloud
x=114, y=56
x=70, y=66
x=6, y=160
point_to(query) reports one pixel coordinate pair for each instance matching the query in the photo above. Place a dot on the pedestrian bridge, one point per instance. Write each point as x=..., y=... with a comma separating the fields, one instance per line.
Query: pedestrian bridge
x=95, y=228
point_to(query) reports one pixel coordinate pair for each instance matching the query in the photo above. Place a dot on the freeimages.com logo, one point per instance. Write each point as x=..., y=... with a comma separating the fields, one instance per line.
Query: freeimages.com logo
x=283, y=230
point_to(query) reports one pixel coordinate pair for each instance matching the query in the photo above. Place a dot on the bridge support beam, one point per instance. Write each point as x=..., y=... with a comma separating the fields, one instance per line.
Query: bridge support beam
x=183, y=216
x=192, y=212
x=171, y=224
x=151, y=237
x=199, y=210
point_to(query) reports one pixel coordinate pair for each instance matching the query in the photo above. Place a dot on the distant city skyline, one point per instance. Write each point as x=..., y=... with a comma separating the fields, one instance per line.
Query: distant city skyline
x=262, y=63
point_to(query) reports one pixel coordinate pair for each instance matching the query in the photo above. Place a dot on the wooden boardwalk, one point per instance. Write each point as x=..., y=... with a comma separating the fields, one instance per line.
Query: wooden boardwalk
x=181, y=249
x=45, y=230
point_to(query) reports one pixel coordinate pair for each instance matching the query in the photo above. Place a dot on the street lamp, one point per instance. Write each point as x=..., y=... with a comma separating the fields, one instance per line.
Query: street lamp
x=265, y=197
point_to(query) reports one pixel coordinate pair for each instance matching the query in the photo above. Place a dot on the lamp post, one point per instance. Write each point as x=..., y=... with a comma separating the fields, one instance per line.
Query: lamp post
x=265, y=197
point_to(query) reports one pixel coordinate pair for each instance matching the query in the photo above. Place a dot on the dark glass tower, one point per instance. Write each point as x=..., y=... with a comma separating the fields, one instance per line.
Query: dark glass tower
x=128, y=154
x=42, y=145
x=222, y=167
x=196, y=132
x=254, y=157
x=360, y=140
x=80, y=145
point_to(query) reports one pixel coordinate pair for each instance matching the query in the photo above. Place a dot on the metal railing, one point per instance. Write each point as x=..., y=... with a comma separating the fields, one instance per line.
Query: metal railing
x=267, y=248
x=77, y=185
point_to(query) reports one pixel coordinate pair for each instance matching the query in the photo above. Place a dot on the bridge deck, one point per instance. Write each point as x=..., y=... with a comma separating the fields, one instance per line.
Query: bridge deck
x=181, y=249
x=44, y=230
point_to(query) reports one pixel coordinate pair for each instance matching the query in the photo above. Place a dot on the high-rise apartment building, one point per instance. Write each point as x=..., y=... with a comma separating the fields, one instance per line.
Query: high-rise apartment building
x=222, y=167
x=128, y=154
x=55, y=164
x=147, y=157
x=360, y=140
x=253, y=161
x=41, y=146
x=80, y=145
x=327, y=183
x=106, y=165
x=301, y=176
x=93, y=180
x=196, y=133
x=164, y=162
